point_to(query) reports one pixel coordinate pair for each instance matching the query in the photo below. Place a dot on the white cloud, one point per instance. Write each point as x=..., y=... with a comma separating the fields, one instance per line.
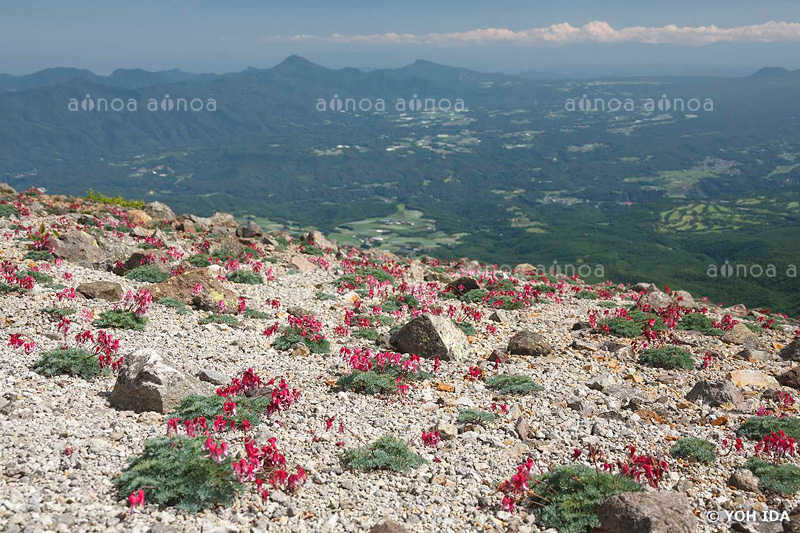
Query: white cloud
x=564, y=33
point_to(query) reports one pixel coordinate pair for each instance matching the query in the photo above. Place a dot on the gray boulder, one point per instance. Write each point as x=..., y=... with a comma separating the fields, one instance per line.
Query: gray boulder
x=148, y=381
x=527, y=342
x=715, y=393
x=790, y=378
x=462, y=286
x=654, y=298
x=80, y=248
x=791, y=352
x=101, y=290
x=159, y=212
x=431, y=336
x=647, y=512
x=741, y=335
x=250, y=231
x=318, y=239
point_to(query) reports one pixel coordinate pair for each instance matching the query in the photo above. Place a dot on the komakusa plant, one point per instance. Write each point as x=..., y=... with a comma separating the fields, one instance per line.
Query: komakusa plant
x=307, y=330
x=129, y=313
x=386, y=453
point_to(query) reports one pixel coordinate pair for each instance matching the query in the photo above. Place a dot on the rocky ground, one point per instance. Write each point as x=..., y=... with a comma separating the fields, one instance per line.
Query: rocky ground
x=66, y=439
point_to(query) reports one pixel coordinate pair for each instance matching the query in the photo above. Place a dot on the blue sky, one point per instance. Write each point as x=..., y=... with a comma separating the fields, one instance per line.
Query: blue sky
x=216, y=36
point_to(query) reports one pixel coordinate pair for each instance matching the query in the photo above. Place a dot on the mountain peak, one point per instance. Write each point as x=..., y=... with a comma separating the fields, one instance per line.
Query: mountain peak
x=295, y=63
x=773, y=72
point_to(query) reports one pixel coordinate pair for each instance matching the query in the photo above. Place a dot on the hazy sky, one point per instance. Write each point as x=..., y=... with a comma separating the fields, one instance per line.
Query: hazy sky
x=498, y=35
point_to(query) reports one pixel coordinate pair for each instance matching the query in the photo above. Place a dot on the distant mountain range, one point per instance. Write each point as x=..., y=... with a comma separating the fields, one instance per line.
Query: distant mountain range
x=709, y=173
x=139, y=78
x=120, y=78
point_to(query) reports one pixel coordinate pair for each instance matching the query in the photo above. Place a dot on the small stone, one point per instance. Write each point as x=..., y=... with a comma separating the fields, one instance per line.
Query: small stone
x=446, y=430
x=600, y=383
x=387, y=526
x=753, y=378
x=744, y=479
x=740, y=334
x=213, y=377
x=499, y=316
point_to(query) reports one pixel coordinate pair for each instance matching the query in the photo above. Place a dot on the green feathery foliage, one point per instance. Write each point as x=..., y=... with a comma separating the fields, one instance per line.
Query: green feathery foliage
x=694, y=449
x=586, y=295
x=6, y=210
x=513, y=384
x=173, y=303
x=222, y=255
x=6, y=288
x=568, y=497
x=147, y=274
x=70, y=362
x=38, y=277
x=121, y=320
x=396, y=302
x=386, y=453
x=312, y=249
x=474, y=296
x=465, y=327
x=669, y=357
x=57, y=313
x=323, y=296
x=198, y=260
x=634, y=325
x=370, y=334
x=209, y=406
x=506, y=302
x=220, y=319
x=291, y=336
x=254, y=313
x=757, y=427
x=351, y=280
x=780, y=479
x=247, y=277
x=176, y=472
x=367, y=382
x=474, y=416
x=39, y=255
x=699, y=322
x=622, y=327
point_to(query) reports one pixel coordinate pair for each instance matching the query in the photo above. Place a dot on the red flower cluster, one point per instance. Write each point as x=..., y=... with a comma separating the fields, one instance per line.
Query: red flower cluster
x=776, y=446
x=516, y=487
x=138, y=302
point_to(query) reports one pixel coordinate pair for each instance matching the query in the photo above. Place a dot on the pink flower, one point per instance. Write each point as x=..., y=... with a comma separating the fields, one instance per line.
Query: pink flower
x=197, y=290
x=431, y=438
x=136, y=499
